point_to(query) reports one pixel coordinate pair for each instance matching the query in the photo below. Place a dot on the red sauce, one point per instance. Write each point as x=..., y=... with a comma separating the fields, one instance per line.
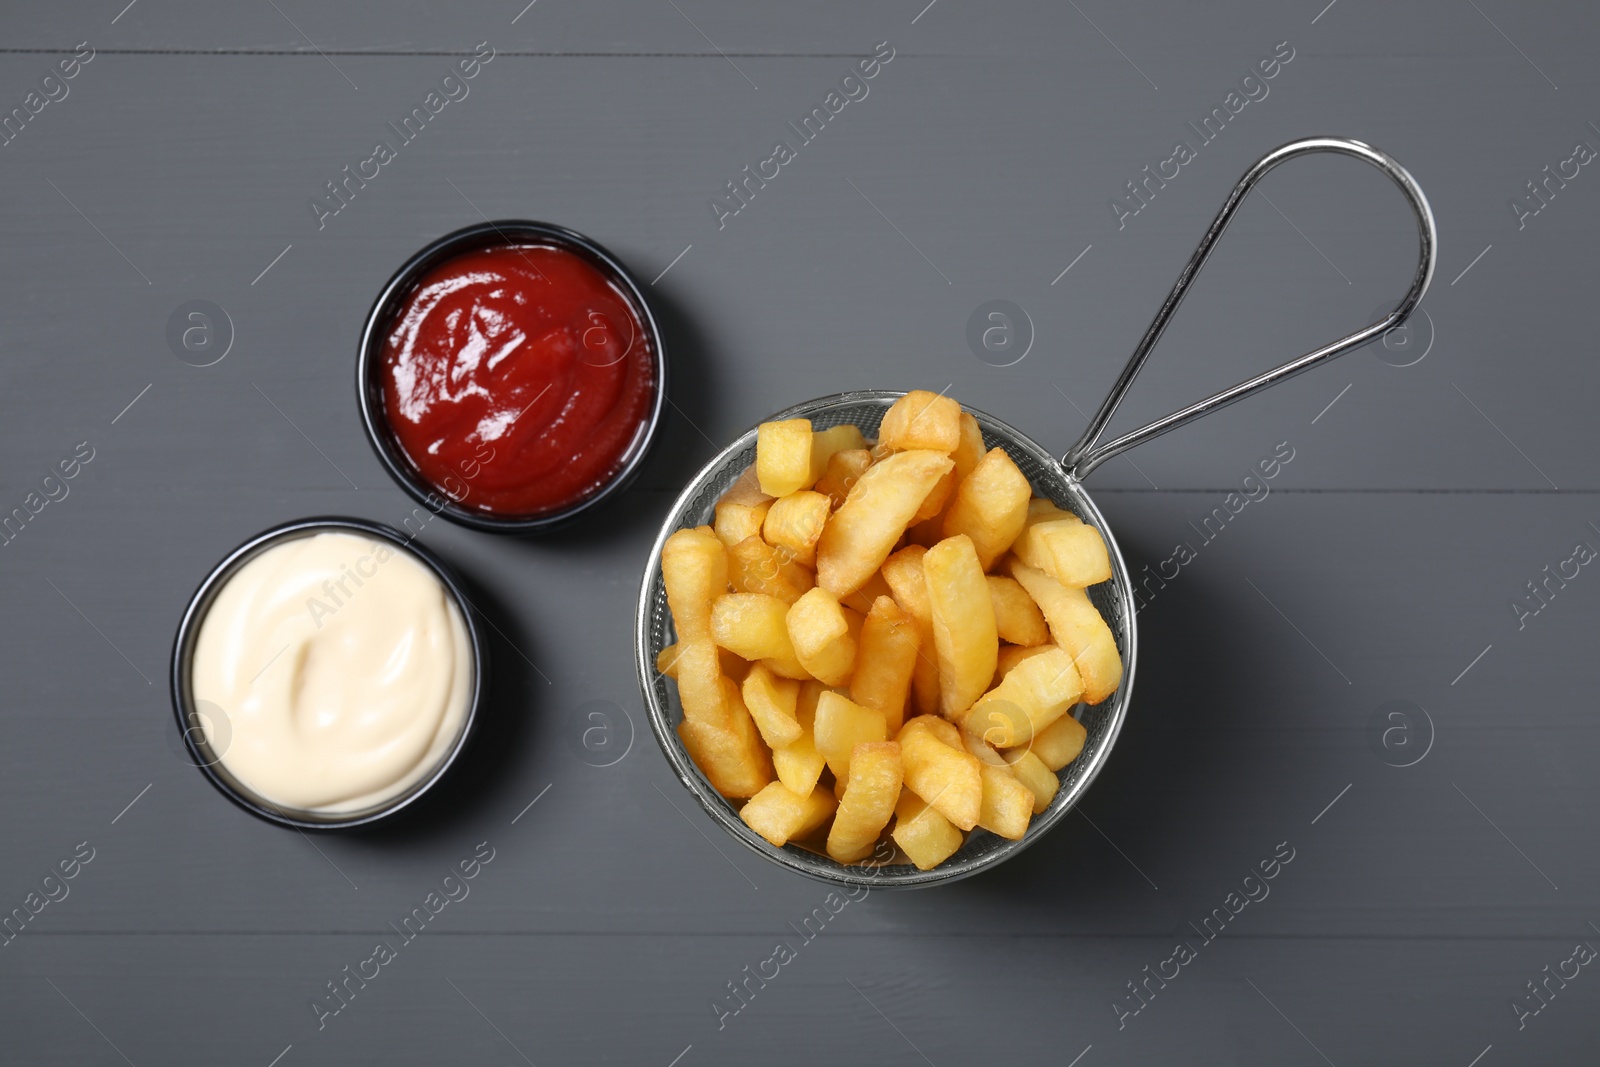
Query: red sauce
x=517, y=379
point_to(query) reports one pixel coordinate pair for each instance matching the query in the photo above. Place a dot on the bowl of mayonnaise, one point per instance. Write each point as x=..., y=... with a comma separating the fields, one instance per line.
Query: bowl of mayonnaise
x=327, y=673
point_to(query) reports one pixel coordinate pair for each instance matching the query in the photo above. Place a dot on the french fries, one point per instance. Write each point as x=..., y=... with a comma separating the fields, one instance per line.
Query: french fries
x=861, y=534
x=963, y=623
x=868, y=801
x=990, y=507
x=1078, y=628
x=783, y=456
x=884, y=640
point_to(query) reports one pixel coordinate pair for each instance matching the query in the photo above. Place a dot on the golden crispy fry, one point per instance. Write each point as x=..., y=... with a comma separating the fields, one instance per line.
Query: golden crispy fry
x=667, y=661
x=795, y=522
x=990, y=506
x=1011, y=655
x=1031, y=771
x=868, y=801
x=1007, y=804
x=1078, y=628
x=933, y=504
x=694, y=568
x=783, y=456
x=746, y=490
x=825, y=636
x=757, y=567
x=752, y=626
x=903, y=573
x=771, y=701
x=1036, y=693
x=799, y=764
x=921, y=419
x=737, y=521
x=861, y=534
x=844, y=469
x=971, y=448
x=862, y=599
x=700, y=678
x=964, y=632
x=1059, y=743
x=820, y=806
x=841, y=725
x=885, y=661
x=1016, y=617
x=825, y=444
x=946, y=777
x=730, y=752
x=775, y=813
x=1069, y=550
x=923, y=834
x=942, y=729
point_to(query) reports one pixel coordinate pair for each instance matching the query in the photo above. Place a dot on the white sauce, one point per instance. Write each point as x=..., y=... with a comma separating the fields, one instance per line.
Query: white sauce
x=343, y=668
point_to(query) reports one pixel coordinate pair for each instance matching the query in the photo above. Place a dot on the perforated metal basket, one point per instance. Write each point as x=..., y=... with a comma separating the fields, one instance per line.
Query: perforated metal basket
x=1060, y=481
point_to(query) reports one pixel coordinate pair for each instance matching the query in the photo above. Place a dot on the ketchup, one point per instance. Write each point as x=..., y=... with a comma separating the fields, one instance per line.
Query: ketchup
x=517, y=378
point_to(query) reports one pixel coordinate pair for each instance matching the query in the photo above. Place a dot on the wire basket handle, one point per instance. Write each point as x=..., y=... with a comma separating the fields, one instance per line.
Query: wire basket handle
x=1085, y=456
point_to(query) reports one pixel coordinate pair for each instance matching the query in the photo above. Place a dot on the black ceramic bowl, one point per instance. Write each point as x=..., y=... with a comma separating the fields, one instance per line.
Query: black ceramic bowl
x=194, y=729
x=369, y=383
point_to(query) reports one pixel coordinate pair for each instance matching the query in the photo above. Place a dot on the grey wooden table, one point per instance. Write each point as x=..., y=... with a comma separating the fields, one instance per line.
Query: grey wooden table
x=1342, y=675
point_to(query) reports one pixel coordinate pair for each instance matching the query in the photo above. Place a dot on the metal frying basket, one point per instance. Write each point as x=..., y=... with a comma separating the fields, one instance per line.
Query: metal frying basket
x=1061, y=481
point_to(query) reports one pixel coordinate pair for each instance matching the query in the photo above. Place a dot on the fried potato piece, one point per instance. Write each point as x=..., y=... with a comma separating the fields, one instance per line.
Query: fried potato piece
x=827, y=443
x=861, y=534
x=771, y=701
x=862, y=599
x=933, y=505
x=729, y=753
x=923, y=834
x=990, y=506
x=694, y=569
x=775, y=813
x=799, y=764
x=842, y=724
x=735, y=521
x=964, y=632
x=667, y=661
x=844, y=469
x=1007, y=804
x=757, y=567
x=820, y=806
x=1068, y=549
x=971, y=449
x=1011, y=655
x=868, y=802
x=783, y=456
x=942, y=729
x=795, y=522
x=1059, y=743
x=885, y=661
x=1041, y=781
x=700, y=690
x=1036, y=693
x=754, y=626
x=825, y=636
x=746, y=490
x=1078, y=628
x=1016, y=617
x=903, y=573
x=948, y=778
x=921, y=419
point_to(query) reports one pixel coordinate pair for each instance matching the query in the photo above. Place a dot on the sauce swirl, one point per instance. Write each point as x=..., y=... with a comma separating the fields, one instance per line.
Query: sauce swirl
x=517, y=379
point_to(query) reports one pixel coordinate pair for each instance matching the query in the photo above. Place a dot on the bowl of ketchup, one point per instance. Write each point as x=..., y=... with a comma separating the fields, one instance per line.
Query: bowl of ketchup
x=511, y=376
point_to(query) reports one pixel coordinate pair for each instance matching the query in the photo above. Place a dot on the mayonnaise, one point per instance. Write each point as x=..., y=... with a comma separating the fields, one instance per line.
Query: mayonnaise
x=340, y=667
